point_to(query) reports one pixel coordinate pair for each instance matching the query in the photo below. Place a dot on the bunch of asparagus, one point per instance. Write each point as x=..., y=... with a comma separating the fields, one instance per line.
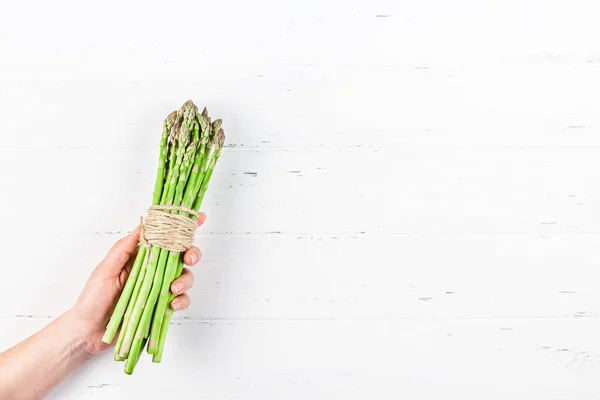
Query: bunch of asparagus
x=189, y=149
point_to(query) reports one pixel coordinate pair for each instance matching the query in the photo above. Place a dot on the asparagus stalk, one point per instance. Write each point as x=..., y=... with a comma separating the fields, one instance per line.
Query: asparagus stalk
x=191, y=190
x=175, y=257
x=181, y=135
x=116, y=318
x=140, y=320
x=162, y=162
x=130, y=306
x=183, y=140
x=189, y=148
x=188, y=111
x=158, y=278
x=144, y=325
x=169, y=142
x=172, y=157
x=168, y=313
x=211, y=167
x=188, y=162
x=133, y=360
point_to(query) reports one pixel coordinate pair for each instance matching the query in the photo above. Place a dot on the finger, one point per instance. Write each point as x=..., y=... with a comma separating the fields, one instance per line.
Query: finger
x=201, y=219
x=183, y=283
x=124, y=273
x=122, y=250
x=180, y=302
x=192, y=256
x=131, y=261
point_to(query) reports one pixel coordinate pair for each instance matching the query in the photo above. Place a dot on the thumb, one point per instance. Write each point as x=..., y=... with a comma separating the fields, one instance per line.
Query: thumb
x=121, y=252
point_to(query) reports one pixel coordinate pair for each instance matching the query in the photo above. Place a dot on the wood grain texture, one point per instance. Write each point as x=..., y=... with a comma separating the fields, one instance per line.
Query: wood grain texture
x=406, y=206
x=497, y=359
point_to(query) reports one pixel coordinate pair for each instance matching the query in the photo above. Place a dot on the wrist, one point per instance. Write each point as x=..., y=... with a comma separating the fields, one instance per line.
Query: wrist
x=80, y=335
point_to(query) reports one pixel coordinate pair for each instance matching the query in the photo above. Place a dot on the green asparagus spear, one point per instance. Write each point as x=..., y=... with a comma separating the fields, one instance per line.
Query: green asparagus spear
x=175, y=257
x=124, y=299
x=151, y=285
x=168, y=313
x=131, y=304
x=189, y=148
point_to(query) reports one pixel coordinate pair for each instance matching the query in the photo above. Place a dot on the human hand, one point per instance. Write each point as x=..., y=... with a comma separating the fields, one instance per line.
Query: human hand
x=101, y=292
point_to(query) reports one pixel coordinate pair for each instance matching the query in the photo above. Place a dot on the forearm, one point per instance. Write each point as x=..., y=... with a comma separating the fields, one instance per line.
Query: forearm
x=33, y=367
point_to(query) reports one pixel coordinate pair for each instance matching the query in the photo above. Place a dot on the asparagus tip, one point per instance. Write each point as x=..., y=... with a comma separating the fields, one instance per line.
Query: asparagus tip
x=187, y=105
x=171, y=118
x=220, y=137
x=216, y=125
x=174, y=132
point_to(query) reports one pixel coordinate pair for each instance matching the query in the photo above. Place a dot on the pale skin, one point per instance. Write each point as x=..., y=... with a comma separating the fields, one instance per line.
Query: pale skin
x=31, y=369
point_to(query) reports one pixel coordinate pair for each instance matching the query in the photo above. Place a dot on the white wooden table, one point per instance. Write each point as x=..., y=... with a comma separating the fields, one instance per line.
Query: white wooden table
x=407, y=207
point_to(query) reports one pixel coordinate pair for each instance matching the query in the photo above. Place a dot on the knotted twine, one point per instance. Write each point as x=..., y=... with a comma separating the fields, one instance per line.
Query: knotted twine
x=174, y=232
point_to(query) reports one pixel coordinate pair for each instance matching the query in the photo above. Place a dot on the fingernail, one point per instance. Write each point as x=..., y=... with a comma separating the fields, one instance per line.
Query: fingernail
x=194, y=258
x=177, y=287
x=176, y=304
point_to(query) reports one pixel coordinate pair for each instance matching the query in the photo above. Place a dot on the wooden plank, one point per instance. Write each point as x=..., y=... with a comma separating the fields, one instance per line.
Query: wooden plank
x=354, y=359
x=337, y=74
x=272, y=107
x=350, y=277
x=398, y=190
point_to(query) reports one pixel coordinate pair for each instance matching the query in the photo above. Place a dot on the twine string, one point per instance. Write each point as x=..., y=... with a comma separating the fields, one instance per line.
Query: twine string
x=174, y=232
